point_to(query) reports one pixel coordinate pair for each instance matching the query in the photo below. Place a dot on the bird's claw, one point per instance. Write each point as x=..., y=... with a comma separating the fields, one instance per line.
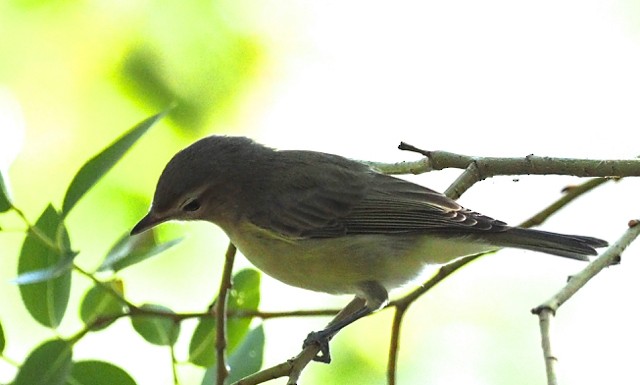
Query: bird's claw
x=322, y=340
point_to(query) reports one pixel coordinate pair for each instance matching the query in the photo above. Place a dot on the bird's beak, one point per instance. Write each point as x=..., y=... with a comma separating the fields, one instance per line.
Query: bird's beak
x=150, y=220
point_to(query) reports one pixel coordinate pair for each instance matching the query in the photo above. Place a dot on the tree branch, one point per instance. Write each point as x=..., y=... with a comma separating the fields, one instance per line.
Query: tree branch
x=221, y=315
x=291, y=368
x=480, y=168
x=547, y=310
x=550, y=359
x=608, y=258
x=394, y=345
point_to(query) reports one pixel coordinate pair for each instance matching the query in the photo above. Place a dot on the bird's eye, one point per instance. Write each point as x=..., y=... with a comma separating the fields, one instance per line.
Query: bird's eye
x=191, y=205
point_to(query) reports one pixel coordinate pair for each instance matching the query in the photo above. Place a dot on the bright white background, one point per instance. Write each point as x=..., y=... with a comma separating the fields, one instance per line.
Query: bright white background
x=498, y=78
x=492, y=78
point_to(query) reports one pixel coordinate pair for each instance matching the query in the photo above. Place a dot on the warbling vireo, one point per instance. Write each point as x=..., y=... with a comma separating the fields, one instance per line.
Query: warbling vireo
x=326, y=223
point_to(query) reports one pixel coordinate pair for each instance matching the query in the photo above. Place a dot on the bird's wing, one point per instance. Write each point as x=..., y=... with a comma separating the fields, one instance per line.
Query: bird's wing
x=314, y=191
x=335, y=197
x=397, y=206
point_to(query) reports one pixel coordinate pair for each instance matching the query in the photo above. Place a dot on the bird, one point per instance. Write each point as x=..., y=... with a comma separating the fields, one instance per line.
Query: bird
x=326, y=223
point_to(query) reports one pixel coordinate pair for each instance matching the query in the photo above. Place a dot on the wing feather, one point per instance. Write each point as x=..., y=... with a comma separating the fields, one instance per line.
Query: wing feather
x=330, y=196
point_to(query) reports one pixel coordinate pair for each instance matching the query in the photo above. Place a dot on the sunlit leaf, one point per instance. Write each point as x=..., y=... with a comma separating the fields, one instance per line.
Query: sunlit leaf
x=49, y=364
x=95, y=168
x=245, y=360
x=100, y=302
x=130, y=250
x=98, y=373
x=245, y=291
x=5, y=197
x=159, y=330
x=202, y=347
x=2, y=340
x=62, y=267
x=245, y=294
x=46, y=301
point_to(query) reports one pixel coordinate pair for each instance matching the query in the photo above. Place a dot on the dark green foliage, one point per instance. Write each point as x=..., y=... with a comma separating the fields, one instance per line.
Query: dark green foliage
x=245, y=360
x=5, y=199
x=45, y=268
x=159, y=330
x=98, y=373
x=49, y=364
x=45, y=246
x=99, y=303
x=92, y=171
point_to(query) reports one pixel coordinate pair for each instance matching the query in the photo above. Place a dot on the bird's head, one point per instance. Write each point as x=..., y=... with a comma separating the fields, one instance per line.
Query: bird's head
x=202, y=182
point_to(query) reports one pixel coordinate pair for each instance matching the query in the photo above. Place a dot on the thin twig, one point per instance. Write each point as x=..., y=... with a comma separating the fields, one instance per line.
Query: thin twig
x=291, y=368
x=400, y=168
x=402, y=305
x=470, y=176
x=301, y=361
x=607, y=258
x=570, y=193
x=134, y=311
x=174, y=364
x=242, y=313
x=550, y=359
x=221, y=315
x=269, y=374
x=105, y=286
x=394, y=346
x=547, y=310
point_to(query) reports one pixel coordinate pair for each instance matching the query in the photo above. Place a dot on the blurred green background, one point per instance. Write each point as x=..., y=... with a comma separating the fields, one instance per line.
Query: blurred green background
x=353, y=78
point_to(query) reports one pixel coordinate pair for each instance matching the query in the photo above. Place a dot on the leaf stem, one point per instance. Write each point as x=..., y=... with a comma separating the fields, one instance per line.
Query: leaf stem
x=105, y=286
x=52, y=244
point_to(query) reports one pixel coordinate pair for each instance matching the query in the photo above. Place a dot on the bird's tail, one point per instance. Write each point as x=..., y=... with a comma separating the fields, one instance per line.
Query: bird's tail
x=569, y=246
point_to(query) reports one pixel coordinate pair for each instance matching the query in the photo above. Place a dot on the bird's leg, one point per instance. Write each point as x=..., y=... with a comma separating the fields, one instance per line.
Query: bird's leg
x=321, y=338
x=373, y=297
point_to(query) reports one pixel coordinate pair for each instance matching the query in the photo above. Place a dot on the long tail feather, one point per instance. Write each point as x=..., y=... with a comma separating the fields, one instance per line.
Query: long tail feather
x=569, y=246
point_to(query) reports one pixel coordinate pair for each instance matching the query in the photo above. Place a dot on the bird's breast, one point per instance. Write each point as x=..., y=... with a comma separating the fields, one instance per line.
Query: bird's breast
x=338, y=265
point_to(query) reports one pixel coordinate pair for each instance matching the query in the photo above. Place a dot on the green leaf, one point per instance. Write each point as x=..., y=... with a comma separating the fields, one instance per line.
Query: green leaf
x=245, y=295
x=98, y=373
x=2, y=340
x=95, y=168
x=49, y=364
x=100, y=302
x=202, y=347
x=46, y=301
x=245, y=291
x=34, y=276
x=130, y=250
x=159, y=330
x=246, y=360
x=5, y=197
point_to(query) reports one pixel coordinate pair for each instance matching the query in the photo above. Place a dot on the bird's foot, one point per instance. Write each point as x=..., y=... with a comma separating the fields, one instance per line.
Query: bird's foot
x=321, y=339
